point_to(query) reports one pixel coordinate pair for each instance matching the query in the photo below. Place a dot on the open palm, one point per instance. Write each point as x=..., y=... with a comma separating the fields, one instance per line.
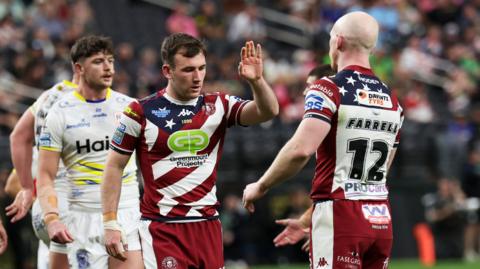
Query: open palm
x=251, y=63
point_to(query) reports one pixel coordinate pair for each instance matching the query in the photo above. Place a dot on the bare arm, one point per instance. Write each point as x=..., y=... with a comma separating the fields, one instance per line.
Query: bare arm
x=264, y=105
x=115, y=239
x=290, y=160
x=21, y=143
x=12, y=187
x=112, y=181
x=47, y=170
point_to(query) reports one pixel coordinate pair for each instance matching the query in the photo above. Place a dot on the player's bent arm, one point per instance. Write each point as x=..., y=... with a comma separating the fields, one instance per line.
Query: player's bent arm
x=112, y=183
x=264, y=105
x=296, y=152
x=47, y=170
x=21, y=143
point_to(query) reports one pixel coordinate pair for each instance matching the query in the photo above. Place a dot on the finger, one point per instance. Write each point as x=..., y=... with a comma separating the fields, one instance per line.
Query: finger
x=259, y=52
x=250, y=207
x=252, y=49
x=243, y=53
x=11, y=211
x=68, y=236
x=283, y=222
x=121, y=255
x=306, y=245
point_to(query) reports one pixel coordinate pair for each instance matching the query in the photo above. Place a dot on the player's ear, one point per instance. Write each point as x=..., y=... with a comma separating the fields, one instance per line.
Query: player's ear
x=77, y=67
x=167, y=71
x=340, y=42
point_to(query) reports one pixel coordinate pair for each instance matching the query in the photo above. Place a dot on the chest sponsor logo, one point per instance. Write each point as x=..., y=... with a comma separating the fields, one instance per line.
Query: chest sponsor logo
x=313, y=101
x=185, y=113
x=161, y=112
x=88, y=145
x=191, y=141
x=82, y=124
x=376, y=213
x=372, y=98
x=99, y=113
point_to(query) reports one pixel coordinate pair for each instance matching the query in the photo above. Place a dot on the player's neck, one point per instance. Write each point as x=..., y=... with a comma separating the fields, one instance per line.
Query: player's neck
x=348, y=59
x=90, y=93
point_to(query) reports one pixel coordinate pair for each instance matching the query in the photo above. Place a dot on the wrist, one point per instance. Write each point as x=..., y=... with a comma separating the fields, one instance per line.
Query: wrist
x=50, y=217
x=256, y=81
x=109, y=216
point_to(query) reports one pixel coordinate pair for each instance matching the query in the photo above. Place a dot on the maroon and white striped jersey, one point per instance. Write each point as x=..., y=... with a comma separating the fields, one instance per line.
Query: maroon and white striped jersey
x=178, y=146
x=365, y=119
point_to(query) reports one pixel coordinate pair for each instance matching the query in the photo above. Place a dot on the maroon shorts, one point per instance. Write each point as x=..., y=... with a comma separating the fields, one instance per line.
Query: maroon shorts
x=182, y=245
x=351, y=234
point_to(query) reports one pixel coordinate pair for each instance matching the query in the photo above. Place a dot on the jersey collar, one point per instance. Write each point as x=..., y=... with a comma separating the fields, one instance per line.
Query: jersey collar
x=192, y=102
x=361, y=69
x=81, y=98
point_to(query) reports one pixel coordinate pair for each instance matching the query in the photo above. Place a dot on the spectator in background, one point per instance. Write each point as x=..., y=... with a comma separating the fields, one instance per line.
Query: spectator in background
x=443, y=211
x=246, y=25
x=180, y=21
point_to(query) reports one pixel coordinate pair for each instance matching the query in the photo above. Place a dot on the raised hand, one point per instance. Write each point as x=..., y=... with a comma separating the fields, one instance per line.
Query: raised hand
x=251, y=62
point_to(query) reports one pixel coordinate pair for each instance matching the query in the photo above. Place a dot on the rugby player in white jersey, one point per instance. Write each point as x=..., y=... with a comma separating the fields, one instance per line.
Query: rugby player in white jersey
x=77, y=130
x=178, y=134
x=24, y=158
x=352, y=122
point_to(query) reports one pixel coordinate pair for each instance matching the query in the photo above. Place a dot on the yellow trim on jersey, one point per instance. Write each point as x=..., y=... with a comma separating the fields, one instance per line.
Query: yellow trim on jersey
x=81, y=98
x=87, y=181
x=70, y=84
x=50, y=149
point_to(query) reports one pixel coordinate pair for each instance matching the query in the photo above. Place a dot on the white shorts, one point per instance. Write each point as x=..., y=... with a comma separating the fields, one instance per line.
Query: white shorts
x=40, y=229
x=43, y=257
x=88, y=248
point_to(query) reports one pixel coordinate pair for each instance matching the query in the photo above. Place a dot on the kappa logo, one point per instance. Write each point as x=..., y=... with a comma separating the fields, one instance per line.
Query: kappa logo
x=169, y=263
x=322, y=262
x=184, y=113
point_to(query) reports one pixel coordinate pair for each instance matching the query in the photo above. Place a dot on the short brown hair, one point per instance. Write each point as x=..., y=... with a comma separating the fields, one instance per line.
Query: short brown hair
x=90, y=45
x=173, y=43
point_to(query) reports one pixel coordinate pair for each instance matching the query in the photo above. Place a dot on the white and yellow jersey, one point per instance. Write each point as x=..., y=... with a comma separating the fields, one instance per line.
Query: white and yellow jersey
x=81, y=131
x=40, y=110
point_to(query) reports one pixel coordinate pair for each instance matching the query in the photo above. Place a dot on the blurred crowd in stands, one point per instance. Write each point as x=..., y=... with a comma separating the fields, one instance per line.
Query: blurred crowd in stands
x=429, y=53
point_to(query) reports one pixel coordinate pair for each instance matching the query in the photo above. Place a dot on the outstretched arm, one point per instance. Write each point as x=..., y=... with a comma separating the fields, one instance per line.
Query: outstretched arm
x=290, y=160
x=3, y=238
x=264, y=105
x=115, y=241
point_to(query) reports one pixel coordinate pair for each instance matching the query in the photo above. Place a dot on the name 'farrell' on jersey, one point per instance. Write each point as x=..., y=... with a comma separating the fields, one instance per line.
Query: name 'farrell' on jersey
x=178, y=145
x=80, y=130
x=365, y=119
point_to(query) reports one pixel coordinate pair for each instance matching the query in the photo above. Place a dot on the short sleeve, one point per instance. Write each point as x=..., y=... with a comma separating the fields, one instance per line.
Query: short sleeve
x=128, y=129
x=321, y=100
x=235, y=106
x=51, y=136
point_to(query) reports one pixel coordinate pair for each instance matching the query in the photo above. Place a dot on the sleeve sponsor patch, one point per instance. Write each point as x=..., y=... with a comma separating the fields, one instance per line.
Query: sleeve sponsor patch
x=45, y=140
x=313, y=101
x=119, y=134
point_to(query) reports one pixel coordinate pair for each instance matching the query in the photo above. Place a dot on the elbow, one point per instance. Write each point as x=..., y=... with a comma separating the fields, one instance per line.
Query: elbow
x=271, y=112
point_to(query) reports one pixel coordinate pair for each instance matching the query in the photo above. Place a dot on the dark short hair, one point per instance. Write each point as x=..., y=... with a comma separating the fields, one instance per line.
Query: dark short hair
x=90, y=45
x=173, y=43
x=323, y=70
